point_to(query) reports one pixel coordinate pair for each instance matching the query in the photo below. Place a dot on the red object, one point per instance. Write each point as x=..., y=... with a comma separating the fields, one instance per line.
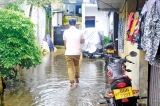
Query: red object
x=137, y=28
x=127, y=77
x=131, y=39
x=112, y=79
x=135, y=91
x=130, y=20
x=125, y=100
x=109, y=73
x=121, y=85
x=123, y=70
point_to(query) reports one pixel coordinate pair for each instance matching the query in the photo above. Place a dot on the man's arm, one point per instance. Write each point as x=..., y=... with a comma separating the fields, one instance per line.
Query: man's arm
x=82, y=41
x=64, y=43
x=82, y=38
x=64, y=39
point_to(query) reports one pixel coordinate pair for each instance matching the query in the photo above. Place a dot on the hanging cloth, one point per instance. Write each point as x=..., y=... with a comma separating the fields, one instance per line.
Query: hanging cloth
x=158, y=6
x=120, y=35
x=129, y=23
x=151, y=37
x=133, y=27
x=136, y=33
x=147, y=6
x=131, y=37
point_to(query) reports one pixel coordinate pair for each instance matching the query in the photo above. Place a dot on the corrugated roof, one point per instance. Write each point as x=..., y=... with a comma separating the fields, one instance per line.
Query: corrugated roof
x=110, y=5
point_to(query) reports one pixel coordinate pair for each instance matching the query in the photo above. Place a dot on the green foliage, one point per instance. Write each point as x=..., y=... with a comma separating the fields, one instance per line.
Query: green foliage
x=18, y=45
x=14, y=6
x=106, y=40
x=40, y=2
x=65, y=19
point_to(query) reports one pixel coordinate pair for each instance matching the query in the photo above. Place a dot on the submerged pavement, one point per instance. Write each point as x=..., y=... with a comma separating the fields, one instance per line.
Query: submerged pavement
x=48, y=84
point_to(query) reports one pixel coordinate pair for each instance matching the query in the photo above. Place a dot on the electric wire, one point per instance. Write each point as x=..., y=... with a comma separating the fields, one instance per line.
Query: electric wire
x=113, y=7
x=123, y=5
x=108, y=5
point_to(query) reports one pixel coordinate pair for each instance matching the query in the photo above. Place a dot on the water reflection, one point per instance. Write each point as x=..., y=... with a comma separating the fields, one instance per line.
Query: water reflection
x=48, y=84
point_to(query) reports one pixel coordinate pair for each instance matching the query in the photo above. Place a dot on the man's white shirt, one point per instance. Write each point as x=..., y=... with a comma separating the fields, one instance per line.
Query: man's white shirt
x=73, y=36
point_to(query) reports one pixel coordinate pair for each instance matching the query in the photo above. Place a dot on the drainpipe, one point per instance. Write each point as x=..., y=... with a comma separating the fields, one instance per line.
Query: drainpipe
x=30, y=11
x=50, y=20
x=48, y=17
x=115, y=30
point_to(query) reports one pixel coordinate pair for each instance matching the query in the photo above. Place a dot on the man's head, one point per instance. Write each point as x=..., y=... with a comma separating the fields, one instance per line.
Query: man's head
x=72, y=22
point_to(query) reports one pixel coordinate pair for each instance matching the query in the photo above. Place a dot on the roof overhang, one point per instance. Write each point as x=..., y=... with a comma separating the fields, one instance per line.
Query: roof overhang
x=110, y=5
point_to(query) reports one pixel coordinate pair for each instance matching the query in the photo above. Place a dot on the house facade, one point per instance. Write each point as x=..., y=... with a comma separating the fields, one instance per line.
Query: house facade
x=145, y=73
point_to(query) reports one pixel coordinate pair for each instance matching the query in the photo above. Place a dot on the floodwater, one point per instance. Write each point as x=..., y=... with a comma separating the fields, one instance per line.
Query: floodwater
x=48, y=84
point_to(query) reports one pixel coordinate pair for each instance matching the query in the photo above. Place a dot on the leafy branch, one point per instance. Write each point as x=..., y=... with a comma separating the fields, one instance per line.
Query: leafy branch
x=18, y=45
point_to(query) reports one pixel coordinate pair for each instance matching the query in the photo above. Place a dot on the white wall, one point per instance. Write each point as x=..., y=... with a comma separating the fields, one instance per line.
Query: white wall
x=100, y=17
x=4, y=2
x=38, y=17
x=110, y=25
x=57, y=19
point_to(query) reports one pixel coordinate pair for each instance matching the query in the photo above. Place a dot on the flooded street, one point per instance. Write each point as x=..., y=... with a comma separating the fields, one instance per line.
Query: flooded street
x=48, y=84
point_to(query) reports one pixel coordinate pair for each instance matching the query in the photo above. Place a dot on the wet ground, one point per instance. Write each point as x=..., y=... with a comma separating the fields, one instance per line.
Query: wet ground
x=48, y=84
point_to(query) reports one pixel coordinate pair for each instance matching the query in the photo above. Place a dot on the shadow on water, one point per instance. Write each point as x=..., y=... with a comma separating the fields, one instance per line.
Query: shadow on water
x=48, y=84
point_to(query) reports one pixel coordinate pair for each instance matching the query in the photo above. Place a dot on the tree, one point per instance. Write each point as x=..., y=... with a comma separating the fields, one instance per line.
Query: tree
x=14, y=31
x=47, y=4
x=44, y=3
x=18, y=47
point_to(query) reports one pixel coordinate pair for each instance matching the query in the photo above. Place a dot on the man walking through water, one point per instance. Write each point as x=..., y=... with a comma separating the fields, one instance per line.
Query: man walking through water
x=73, y=38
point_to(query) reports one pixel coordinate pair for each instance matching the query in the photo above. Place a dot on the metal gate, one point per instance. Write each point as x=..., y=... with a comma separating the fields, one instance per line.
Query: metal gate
x=154, y=86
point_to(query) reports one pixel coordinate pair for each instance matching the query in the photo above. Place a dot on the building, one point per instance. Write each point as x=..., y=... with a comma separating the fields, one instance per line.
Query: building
x=145, y=75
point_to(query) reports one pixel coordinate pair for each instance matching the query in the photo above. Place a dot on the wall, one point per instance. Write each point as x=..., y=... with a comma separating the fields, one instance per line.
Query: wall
x=4, y=2
x=38, y=17
x=100, y=17
x=139, y=72
x=57, y=19
x=110, y=25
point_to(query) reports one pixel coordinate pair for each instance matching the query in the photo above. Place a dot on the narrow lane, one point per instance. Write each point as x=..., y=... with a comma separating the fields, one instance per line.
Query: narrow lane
x=48, y=84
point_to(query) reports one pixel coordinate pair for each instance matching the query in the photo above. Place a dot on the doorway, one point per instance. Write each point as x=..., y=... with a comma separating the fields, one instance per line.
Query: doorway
x=90, y=21
x=154, y=82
